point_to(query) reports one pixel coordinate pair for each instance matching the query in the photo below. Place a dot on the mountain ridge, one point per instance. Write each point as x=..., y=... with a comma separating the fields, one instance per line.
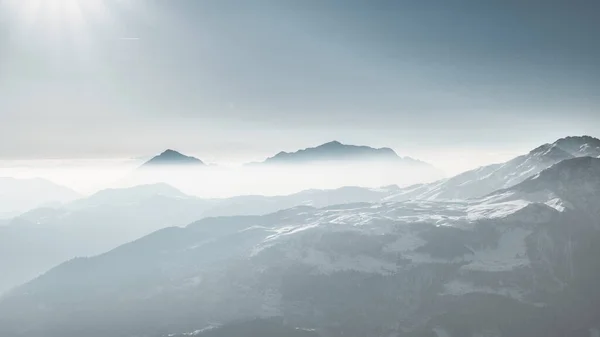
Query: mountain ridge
x=337, y=151
x=403, y=256
x=487, y=179
x=21, y=195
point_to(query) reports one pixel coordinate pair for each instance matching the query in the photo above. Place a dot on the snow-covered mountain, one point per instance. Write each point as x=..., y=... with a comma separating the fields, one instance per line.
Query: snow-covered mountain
x=517, y=262
x=486, y=179
x=583, y=146
x=571, y=184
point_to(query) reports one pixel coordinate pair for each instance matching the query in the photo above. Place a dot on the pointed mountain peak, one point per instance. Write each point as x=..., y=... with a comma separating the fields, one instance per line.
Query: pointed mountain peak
x=169, y=152
x=172, y=157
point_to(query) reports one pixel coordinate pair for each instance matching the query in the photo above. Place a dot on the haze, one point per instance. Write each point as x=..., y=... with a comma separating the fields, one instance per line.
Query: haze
x=311, y=168
x=457, y=85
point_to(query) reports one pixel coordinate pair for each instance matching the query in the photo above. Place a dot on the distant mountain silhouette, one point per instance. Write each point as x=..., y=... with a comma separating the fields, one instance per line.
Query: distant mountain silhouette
x=128, y=196
x=336, y=151
x=172, y=158
x=20, y=195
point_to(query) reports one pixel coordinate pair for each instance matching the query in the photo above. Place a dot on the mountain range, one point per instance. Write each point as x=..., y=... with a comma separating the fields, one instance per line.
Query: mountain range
x=331, y=152
x=326, y=166
x=520, y=261
x=504, y=250
x=335, y=151
x=39, y=239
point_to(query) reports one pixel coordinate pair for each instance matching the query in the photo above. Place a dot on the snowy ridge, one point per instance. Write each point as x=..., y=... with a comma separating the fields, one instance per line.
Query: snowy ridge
x=487, y=179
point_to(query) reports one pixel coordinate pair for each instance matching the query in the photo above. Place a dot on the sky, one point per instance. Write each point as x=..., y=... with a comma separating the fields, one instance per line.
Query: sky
x=456, y=83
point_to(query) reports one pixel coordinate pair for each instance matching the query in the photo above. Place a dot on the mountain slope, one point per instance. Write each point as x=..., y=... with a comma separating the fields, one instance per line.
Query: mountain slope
x=504, y=265
x=571, y=184
x=259, y=205
x=123, y=196
x=486, y=179
x=583, y=146
x=20, y=195
x=40, y=239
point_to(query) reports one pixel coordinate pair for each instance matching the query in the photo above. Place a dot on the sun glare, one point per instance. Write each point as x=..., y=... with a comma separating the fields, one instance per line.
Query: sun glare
x=53, y=14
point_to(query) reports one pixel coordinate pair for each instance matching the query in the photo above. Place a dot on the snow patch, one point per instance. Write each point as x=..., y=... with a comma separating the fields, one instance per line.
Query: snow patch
x=289, y=230
x=495, y=210
x=557, y=204
x=197, y=332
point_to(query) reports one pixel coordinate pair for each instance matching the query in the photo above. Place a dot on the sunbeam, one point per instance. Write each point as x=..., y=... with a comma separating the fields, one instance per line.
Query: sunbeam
x=56, y=18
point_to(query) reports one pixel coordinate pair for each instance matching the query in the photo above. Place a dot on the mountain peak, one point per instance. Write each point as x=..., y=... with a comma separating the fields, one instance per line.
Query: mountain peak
x=172, y=157
x=584, y=138
x=169, y=152
x=334, y=151
x=580, y=146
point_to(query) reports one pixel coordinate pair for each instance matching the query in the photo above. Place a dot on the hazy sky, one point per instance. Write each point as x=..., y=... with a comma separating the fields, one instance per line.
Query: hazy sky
x=239, y=80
